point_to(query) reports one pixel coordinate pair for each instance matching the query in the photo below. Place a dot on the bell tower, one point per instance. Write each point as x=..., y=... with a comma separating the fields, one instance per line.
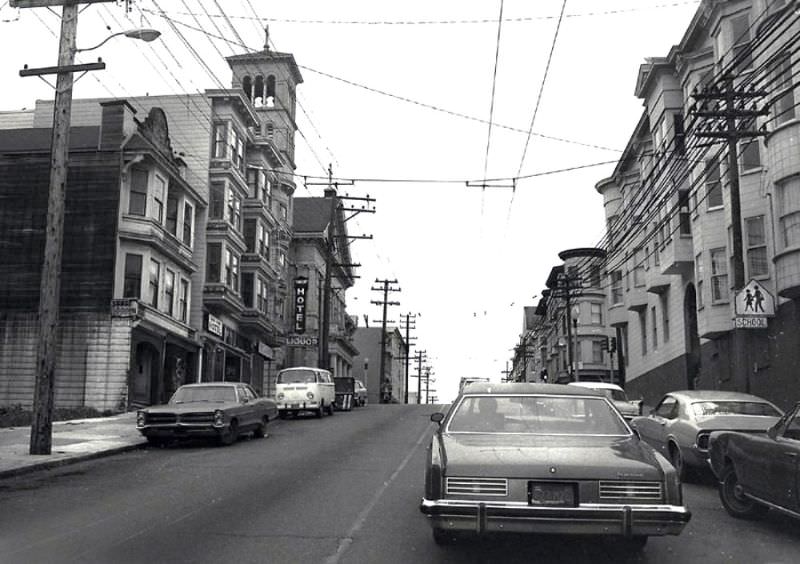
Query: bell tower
x=269, y=79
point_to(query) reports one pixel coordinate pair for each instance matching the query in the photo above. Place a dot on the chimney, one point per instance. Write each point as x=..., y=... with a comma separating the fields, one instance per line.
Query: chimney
x=116, y=123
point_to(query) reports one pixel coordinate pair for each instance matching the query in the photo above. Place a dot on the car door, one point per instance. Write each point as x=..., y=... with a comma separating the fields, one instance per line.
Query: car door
x=783, y=464
x=654, y=428
x=247, y=408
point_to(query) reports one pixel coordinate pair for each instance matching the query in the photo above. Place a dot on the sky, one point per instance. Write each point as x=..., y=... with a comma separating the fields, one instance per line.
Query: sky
x=404, y=91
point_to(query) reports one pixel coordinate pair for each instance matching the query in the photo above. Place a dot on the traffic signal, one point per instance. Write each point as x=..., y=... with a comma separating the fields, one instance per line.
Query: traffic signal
x=612, y=344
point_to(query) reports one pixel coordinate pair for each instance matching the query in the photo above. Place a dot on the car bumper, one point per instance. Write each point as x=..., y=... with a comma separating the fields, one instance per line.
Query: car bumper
x=587, y=519
x=181, y=430
x=298, y=406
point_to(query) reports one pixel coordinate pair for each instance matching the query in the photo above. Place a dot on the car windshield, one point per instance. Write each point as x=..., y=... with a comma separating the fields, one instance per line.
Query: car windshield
x=536, y=415
x=706, y=408
x=297, y=377
x=188, y=394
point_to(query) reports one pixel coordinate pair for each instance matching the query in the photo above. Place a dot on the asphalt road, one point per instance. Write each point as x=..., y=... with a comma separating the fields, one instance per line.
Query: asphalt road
x=337, y=490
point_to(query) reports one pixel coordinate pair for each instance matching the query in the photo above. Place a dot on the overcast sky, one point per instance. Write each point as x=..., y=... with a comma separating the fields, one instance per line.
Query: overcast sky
x=467, y=259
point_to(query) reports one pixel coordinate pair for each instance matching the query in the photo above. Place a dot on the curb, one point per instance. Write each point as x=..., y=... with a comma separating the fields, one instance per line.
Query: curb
x=49, y=464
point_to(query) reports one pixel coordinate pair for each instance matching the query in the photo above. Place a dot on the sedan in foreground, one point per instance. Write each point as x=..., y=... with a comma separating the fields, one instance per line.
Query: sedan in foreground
x=546, y=458
x=759, y=471
x=681, y=423
x=216, y=410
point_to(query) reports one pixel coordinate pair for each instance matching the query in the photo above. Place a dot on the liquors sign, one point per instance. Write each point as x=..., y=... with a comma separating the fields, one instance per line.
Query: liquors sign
x=300, y=295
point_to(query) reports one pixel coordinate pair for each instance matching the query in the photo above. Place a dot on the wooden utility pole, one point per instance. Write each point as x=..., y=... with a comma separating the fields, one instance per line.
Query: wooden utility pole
x=410, y=318
x=420, y=358
x=50, y=285
x=385, y=303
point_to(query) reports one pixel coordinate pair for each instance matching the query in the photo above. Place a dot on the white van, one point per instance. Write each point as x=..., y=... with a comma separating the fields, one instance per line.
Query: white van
x=305, y=388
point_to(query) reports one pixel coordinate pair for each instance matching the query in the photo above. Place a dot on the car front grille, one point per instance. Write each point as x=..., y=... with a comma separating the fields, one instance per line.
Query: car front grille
x=161, y=418
x=197, y=418
x=631, y=491
x=477, y=486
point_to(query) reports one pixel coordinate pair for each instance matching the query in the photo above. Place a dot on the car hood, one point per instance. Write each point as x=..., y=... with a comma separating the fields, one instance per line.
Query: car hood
x=190, y=407
x=526, y=456
x=736, y=422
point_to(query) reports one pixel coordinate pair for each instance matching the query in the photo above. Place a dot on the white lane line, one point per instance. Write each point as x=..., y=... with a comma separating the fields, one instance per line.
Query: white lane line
x=345, y=543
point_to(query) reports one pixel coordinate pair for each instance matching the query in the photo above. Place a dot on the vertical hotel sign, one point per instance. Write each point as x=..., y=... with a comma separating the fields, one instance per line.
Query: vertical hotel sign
x=300, y=293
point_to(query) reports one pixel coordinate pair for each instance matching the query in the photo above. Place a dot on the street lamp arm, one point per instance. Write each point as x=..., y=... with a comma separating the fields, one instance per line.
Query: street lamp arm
x=145, y=34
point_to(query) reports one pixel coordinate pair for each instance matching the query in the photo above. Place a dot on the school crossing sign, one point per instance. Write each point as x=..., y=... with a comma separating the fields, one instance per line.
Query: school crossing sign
x=754, y=304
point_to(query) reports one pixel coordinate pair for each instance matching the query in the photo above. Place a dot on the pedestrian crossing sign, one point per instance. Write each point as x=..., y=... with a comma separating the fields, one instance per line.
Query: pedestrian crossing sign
x=754, y=300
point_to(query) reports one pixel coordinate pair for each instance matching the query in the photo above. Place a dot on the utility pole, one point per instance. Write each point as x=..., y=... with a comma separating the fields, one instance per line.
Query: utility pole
x=385, y=303
x=723, y=123
x=420, y=357
x=565, y=284
x=41, y=438
x=410, y=318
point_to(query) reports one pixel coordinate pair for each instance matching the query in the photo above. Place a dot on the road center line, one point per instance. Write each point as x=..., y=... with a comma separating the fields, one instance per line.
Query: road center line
x=345, y=543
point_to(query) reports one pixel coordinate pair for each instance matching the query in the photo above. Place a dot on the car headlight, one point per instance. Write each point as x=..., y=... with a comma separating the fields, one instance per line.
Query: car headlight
x=310, y=395
x=702, y=440
x=280, y=396
x=140, y=418
x=219, y=418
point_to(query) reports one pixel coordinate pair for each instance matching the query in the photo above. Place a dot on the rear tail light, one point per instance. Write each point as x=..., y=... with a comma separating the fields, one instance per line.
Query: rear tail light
x=140, y=418
x=702, y=440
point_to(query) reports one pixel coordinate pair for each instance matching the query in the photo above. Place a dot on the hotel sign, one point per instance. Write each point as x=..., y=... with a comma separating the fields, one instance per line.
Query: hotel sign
x=300, y=294
x=214, y=325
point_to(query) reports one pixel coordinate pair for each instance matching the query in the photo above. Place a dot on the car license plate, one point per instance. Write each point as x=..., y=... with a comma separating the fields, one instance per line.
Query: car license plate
x=295, y=405
x=551, y=494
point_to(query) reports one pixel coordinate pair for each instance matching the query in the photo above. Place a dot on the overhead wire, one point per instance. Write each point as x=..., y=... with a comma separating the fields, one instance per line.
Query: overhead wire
x=494, y=87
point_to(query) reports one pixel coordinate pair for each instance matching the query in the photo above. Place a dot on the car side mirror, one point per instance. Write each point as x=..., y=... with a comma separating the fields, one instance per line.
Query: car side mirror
x=437, y=418
x=772, y=432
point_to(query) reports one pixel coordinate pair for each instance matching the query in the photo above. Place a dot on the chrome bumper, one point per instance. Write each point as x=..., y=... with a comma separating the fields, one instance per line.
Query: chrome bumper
x=586, y=519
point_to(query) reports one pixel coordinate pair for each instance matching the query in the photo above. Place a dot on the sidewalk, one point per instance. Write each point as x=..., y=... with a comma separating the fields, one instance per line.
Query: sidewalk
x=73, y=441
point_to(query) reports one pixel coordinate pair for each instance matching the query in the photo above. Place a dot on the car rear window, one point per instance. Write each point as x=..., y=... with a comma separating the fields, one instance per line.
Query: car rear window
x=297, y=377
x=707, y=408
x=537, y=415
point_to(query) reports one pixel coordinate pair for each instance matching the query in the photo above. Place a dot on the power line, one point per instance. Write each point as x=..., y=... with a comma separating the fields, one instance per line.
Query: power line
x=494, y=86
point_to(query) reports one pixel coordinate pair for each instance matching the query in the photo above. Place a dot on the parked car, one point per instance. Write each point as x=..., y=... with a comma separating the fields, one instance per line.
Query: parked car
x=546, y=458
x=216, y=410
x=757, y=471
x=680, y=425
x=469, y=380
x=305, y=388
x=361, y=394
x=628, y=408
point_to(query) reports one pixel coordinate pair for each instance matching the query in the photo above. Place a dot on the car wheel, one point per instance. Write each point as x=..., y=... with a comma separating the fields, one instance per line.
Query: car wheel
x=320, y=411
x=676, y=458
x=230, y=435
x=261, y=429
x=733, y=499
x=331, y=407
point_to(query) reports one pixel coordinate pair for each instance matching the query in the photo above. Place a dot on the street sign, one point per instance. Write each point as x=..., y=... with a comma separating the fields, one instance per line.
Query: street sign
x=754, y=301
x=301, y=341
x=750, y=322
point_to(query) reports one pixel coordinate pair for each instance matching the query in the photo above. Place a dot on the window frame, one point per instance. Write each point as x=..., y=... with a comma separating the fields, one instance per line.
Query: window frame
x=131, y=276
x=154, y=281
x=720, y=293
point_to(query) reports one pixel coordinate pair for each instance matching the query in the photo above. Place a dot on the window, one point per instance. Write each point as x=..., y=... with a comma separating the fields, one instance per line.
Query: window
x=668, y=408
x=680, y=134
x=216, y=207
x=183, y=301
x=236, y=145
x=172, y=214
x=616, y=287
x=262, y=241
x=234, y=210
x=756, y=243
x=699, y=274
x=213, y=262
x=713, y=184
x=155, y=275
x=719, y=275
x=684, y=213
x=597, y=352
x=656, y=240
x=270, y=98
x=159, y=187
x=188, y=224
x=261, y=295
x=132, y=287
x=665, y=316
x=232, y=270
x=638, y=267
x=169, y=292
x=220, y=140
x=740, y=29
x=643, y=330
x=750, y=155
x=247, y=288
x=594, y=275
x=270, y=131
x=256, y=182
x=654, y=324
x=596, y=314
x=281, y=259
x=783, y=109
x=789, y=211
x=282, y=211
x=611, y=228
x=137, y=204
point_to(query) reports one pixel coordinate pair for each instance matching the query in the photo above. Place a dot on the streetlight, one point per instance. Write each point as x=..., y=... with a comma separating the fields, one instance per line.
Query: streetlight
x=144, y=34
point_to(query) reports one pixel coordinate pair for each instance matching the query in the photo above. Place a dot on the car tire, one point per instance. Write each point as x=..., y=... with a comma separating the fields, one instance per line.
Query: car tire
x=261, y=429
x=734, y=502
x=331, y=408
x=230, y=435
x=677, y=460
x=320, y=411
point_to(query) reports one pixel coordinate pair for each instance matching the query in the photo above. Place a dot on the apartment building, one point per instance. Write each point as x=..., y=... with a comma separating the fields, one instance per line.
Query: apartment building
x=671, y=265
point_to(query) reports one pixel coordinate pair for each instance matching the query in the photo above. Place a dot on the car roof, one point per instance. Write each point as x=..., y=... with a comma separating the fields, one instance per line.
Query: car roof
x=483, y=388
x=716, y=395
x=597, y=385
x=214, y=384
